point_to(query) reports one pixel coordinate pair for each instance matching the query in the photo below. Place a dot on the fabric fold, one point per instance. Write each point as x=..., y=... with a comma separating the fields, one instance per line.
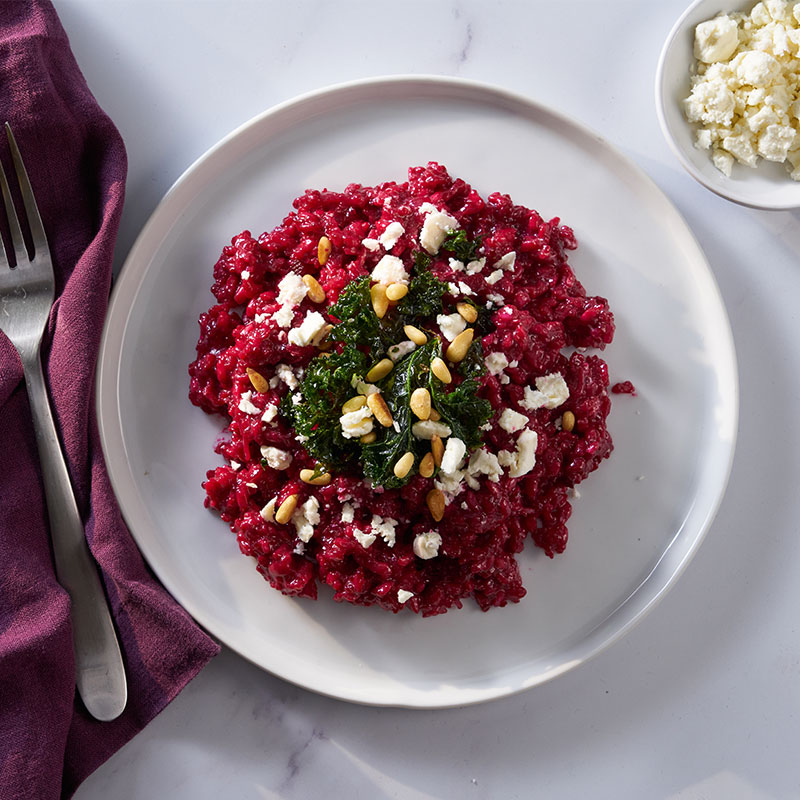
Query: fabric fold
x=77, y=165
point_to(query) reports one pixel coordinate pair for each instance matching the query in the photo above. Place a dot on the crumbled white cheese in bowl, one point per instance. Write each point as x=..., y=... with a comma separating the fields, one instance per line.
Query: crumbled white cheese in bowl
x=727, y=89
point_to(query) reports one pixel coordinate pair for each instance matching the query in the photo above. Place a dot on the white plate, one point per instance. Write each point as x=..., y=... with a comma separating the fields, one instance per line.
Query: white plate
x=639, y=518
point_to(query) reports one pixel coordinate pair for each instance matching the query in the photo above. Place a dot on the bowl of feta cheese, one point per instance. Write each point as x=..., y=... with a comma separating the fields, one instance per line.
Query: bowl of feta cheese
x=728, y=99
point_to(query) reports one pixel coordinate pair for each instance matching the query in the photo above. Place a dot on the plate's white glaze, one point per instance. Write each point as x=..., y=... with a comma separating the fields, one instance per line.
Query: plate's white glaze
x=639, y=518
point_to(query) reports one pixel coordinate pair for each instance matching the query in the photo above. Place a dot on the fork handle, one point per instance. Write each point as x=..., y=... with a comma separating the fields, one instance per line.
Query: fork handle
x=100, y=673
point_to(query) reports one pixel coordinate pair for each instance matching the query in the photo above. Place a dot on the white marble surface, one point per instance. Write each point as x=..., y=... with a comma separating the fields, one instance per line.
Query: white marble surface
x=702, y=700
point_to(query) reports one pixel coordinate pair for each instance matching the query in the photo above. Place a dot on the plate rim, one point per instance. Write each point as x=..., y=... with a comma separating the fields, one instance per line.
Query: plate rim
x=129, y=281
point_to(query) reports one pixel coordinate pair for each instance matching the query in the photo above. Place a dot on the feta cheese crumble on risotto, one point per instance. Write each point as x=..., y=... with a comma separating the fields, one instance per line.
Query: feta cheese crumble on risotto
x=404, y=374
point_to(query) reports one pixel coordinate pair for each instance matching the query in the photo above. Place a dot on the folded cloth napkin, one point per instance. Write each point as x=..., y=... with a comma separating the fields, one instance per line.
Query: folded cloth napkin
x=77, y=164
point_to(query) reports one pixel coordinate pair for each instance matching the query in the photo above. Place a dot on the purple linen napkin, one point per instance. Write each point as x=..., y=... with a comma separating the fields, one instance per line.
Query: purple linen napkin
x=77, y=164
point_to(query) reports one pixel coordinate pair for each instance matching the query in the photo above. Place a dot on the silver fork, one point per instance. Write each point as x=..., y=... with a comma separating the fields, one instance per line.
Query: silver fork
x=26, y=296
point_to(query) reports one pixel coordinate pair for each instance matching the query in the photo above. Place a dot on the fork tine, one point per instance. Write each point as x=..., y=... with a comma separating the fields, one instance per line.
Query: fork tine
x=20, y=251
x=34, y=220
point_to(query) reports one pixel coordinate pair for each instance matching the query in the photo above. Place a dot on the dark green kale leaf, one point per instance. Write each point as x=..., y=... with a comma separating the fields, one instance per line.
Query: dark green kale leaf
x=462, y=409
x=359, y=325
x=379, y=458
x=473, y=365
x=422, y=260
x=324, y=388
x=463, y=249
x=424, y=298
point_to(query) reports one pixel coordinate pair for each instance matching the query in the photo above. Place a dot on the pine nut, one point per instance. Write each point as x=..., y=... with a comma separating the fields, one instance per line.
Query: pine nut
x=467, y=311
x=403, y=465
x=286, y=509
x=323, y=250
x=257, y=380
x=421, y=403
x=377, y=405
x=396, y=292
x=437, y=448
x=427, y=465
x=435, y=501
x=459, y=346
x=268, y=512
x=380, y=303
x=415, y=334
x=439, y=369
x=316, y=294
x=567, y=421
x=380, y=370
x=435, y=415
x=315, y=478
x=368, y=438
x=354, y=403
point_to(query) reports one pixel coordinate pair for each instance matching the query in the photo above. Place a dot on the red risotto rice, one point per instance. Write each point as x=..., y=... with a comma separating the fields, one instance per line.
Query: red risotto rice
x=408, y=396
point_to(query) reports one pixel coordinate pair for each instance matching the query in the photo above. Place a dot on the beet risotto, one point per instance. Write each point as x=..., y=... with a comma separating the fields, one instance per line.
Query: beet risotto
x=403, y=372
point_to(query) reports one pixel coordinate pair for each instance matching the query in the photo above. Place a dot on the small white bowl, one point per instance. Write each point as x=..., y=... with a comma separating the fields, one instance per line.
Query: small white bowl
x=768, y=185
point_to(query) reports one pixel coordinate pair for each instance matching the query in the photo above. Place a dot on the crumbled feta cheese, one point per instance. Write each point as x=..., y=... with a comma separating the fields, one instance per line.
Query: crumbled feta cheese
x=397, y=351
x=506, y=458
x=297, y=398
x=496, y=363
x=494, y=277
x=283, y=372
x=348, y=513
x=427, y=429
x=364, y=539
x=456, y=265
x=426, y=545
x=245, y=274
x=436, y=226
x=497, y=299
x=403, y=595
x=551, y=391
x=356, y=423
x=299, y=548
x=305, y=518
x=465, y=288
x=259, y=318
x=270, y=412
x=453, y=453
x=451, y=325
x=476, y=266
x=371, y=244
x=284, y=316
x=716, y=39
x=310, y=331
x=453, y=289
x=268, y=512
x=362, y=387
x=744, y=92
x=291, y=289
x=512, y=421
x=385, y=528
x=275, y=457
x=525, y=457
x=482, y=462
x=235, y=465
x=246, y=405
x=389, y=270
x=394, y=230
x=775, y=141
x=506, y=262
x=450, y=485
x=252, y=485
